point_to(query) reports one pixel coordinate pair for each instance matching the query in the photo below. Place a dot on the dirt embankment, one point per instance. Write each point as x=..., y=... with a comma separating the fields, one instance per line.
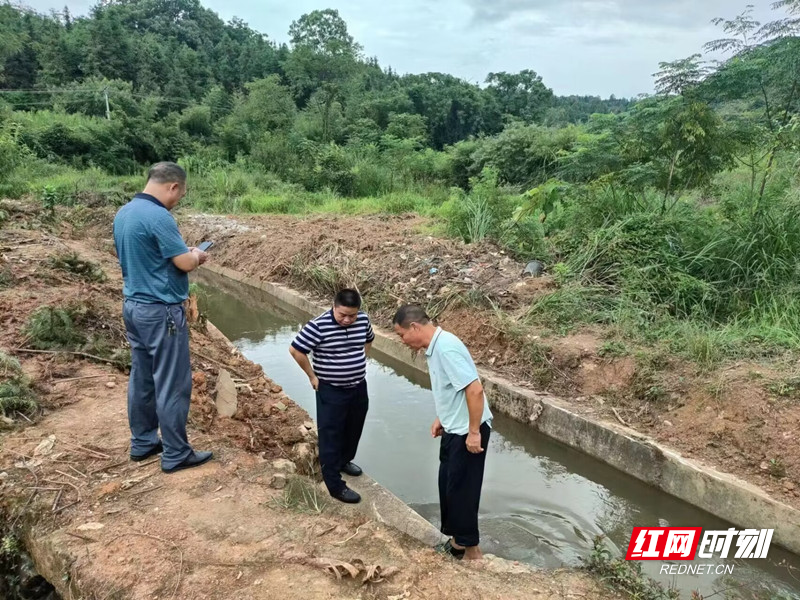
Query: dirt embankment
x=101, y=526
x=740, y=418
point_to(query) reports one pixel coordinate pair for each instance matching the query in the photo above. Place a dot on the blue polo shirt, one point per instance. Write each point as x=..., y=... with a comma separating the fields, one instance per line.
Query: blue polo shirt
x=452, y=369
x=146, y=237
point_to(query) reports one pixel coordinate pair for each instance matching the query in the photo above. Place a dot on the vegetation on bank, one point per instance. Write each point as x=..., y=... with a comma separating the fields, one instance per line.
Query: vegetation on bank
x=672, y=219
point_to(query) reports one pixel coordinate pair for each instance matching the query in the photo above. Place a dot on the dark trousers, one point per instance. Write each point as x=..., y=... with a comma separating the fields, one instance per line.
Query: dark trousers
x=341, y=413
x=160, y=385
x=460, y=481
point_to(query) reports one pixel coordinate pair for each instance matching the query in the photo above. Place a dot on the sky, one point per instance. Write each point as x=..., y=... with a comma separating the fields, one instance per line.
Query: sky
x=592, y=47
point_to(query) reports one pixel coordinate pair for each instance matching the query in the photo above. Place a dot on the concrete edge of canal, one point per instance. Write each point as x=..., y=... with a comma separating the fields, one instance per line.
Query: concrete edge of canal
x=720, y=494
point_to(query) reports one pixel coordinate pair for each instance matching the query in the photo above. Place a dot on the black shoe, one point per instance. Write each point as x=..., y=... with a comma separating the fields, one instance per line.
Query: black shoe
x=347, y=495
x=352, y=469
x=448, y=548
x=195, y=459
x=157, y=449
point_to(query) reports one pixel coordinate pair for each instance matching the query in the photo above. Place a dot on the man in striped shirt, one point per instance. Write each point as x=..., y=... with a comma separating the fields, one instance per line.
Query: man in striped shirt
x=338, y=341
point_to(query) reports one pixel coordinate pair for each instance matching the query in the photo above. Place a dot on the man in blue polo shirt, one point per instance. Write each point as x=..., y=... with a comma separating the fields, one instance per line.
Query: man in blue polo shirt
x=463, y=420
x=339, y=340
x=155, y=262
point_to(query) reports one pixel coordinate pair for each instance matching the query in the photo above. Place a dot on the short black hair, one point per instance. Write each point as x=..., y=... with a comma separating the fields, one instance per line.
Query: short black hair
x=408, y=314
x=347, y=297
x=167, y=172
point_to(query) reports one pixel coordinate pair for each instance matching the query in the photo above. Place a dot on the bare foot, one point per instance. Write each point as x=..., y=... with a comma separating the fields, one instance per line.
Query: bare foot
x=473, y=553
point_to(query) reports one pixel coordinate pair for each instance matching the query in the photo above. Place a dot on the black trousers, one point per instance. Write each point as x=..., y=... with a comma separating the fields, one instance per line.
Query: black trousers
x=460, y=482
x=341, y=413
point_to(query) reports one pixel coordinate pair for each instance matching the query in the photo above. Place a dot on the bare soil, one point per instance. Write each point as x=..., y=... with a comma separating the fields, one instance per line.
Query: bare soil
x=101, y=526
x=740, y=418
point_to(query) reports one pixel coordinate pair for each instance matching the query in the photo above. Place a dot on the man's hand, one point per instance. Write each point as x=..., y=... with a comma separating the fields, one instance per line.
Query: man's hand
x=474, y=442
x=436, y=428
x=314, y=382
x=201, y=256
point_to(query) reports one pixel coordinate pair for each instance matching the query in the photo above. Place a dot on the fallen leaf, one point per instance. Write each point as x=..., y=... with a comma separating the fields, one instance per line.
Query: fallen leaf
x=340, y=568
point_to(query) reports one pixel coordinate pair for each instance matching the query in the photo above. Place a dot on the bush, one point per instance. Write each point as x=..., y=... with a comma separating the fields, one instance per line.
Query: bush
x=16, y=394
x=74, y=264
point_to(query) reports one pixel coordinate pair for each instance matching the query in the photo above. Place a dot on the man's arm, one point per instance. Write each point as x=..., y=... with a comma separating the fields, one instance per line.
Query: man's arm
x=474, y=393
x=370, y=337
x=305, y=364
x=189, y=261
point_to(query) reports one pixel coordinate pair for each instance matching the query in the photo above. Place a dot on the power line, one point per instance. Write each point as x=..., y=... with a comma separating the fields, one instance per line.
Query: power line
x=60, y=91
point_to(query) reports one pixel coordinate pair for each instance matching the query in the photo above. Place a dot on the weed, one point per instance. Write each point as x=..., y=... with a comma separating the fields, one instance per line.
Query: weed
x=51, y=197
x=302, y=495
x=612, y=349
x=625, y=576
x=717, y=388
x=9, y=366
x=79, y=326
x=645, y=384
x=9, y=546
x=6, y=277
x=52, y=327
x=16, y=396
x=786, y=388
x=74, y=264
x=777, y=468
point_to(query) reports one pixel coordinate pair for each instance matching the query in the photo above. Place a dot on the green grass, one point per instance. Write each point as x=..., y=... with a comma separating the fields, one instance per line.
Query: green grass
x=302, y=495
x=625, y=576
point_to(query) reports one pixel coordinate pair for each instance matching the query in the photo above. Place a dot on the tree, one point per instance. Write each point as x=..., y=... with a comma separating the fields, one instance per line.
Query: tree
x=764, y=68
x=522, y=95
x=324, y=56
x=680, y=77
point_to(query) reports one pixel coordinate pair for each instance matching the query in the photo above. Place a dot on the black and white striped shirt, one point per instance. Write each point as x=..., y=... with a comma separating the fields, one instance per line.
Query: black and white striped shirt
x=338, y=352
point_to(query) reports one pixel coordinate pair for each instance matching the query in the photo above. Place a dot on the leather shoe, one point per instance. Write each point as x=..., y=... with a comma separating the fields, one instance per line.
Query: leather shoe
x=195, y=459
x=352, y=469
x=347, y=495
x=157, y=449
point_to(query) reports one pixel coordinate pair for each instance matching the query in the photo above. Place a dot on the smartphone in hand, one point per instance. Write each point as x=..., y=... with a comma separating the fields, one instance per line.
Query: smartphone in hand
x=205, y=246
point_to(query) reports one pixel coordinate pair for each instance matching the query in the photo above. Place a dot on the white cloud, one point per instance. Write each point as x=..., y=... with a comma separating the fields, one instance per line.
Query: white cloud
x=598, y=47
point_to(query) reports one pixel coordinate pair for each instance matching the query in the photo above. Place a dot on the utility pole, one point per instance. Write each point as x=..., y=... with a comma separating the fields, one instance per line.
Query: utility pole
x=108, y=110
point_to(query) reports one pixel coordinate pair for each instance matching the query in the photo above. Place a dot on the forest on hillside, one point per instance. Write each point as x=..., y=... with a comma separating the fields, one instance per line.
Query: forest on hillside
x=671, y=216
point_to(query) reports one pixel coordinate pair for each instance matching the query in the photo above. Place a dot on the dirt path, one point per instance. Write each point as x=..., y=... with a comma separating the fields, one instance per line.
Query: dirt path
x=101, y=526
x=740, y=418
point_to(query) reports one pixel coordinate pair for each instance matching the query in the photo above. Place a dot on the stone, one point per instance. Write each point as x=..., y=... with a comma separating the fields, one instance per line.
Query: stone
x=275, y=388
x=668, y=423
x=284, y=465
x=45, y=447
x=111, y=385
x=302, y=452
x=788, y=485
x=278, y=481
x=226, y=399
x=303, y=431
x=280, y=406
x=90, y=527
